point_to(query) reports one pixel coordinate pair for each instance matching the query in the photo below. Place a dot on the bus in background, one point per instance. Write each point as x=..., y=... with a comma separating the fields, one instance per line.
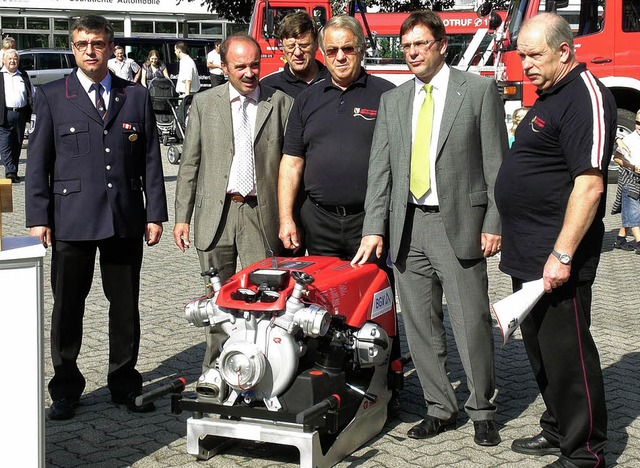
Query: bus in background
x=470, y=44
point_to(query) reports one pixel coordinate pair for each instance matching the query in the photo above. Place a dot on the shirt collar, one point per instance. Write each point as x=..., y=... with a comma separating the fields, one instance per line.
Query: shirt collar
x=234, y=94
x=86, y=82
x=439, y=81
x=360, y=81
x=5, y=70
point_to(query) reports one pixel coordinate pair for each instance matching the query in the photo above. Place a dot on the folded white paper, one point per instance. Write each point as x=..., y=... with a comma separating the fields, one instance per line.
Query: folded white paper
x=513, y=309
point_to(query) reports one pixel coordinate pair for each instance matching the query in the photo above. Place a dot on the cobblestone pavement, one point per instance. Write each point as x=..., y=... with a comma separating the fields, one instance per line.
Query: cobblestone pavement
x=104, y=435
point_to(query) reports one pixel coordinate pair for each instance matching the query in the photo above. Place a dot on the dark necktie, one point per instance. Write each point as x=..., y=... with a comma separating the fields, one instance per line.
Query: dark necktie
x=100, y=107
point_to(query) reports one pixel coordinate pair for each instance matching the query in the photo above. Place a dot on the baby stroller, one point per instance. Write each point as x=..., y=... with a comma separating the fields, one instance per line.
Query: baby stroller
x=163, y=93
x=181, y=116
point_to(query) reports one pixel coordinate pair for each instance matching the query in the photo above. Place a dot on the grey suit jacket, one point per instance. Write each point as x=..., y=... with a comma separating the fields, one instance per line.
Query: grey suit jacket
x=207, y=155
x=471, y=145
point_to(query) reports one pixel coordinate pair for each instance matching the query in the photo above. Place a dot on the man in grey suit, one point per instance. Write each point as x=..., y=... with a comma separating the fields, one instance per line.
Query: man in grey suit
x=440, y=232
x=229, y=170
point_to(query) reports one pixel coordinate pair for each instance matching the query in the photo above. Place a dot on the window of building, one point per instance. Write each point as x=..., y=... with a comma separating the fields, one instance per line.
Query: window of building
x=61, y=25
x=193, y=28
x=12, y=22
x=31, y=41
x=142, y=26
x=166, y=27
x=60, y=41
x=213, y=29
x=38, y=23
x=118, y=26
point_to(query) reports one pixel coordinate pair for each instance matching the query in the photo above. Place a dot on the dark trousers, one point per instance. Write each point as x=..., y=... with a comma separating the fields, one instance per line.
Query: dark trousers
x=72, y=267
x=566, y=365
x=11, y=135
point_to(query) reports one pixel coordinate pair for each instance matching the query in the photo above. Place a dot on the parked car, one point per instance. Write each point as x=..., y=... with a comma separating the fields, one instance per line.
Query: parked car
x=44, y=65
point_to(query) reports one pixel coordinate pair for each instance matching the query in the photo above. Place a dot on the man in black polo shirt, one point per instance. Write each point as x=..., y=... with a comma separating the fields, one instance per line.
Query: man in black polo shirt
x=327, y=142
x=551, y=196
x=299, y=37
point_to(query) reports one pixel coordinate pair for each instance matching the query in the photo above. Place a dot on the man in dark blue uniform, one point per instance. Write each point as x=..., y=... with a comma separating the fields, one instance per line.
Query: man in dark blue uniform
x=299, y=41
x=94, y=182
x=550, y=193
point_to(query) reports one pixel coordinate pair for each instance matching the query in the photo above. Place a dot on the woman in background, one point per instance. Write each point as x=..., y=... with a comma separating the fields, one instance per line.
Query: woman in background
x=153, y=68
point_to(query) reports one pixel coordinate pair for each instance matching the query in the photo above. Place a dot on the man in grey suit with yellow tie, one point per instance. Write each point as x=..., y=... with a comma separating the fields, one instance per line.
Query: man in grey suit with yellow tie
x=437, y=147
x=229, y=170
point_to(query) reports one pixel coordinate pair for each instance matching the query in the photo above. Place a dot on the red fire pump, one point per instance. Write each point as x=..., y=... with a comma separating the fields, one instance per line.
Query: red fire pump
x=306, y=361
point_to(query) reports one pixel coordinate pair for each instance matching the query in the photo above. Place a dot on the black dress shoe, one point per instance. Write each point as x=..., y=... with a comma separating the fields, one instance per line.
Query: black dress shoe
x=12, y=176
x=536, y=445
x=431, y=427
x=486, y=433
x=63, y=409
x=130, y=402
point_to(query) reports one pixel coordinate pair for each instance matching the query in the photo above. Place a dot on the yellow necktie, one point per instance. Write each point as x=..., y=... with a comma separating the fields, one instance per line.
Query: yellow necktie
x=419, y=182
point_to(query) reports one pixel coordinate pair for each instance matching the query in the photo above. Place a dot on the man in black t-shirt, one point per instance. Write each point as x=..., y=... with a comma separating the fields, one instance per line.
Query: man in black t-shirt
x=299, y=41
x=551, y=196
x=327, y=144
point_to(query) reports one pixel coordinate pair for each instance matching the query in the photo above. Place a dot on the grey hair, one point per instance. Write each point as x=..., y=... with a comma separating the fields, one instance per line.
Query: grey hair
x=348, y=23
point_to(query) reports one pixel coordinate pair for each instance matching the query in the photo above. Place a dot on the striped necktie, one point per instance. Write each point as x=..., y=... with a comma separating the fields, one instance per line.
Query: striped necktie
x=99, y=103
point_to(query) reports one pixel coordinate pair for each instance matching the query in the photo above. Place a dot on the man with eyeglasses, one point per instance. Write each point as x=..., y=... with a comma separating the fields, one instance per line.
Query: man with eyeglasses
x=94, y=183
x=437, y=148
x=299, y=41
x=327, y=146
x=16, y=97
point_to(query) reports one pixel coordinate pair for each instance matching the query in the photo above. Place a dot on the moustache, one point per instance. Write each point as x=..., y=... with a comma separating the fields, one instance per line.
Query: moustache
x=248, y=80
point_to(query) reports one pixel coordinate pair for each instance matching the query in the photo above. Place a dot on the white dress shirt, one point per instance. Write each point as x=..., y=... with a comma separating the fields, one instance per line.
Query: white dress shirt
x=236, y=116
x=440, y=84
x=86, y=83
x=15, y=89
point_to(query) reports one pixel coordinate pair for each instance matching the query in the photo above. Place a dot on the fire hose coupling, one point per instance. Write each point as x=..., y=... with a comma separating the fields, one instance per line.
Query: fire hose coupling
x=313, y=320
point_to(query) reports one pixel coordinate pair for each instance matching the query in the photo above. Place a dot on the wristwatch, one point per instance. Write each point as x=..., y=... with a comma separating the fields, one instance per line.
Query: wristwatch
x=564, y=258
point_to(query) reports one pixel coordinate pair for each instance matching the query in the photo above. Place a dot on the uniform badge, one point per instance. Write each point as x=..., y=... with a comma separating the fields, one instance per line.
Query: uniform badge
x=133, y=137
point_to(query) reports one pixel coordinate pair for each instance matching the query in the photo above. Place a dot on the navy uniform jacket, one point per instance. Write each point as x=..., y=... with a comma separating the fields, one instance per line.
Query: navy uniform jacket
x=88, y=179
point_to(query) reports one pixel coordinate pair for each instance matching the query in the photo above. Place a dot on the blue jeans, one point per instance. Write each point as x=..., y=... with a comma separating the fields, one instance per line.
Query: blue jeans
x=630, y=209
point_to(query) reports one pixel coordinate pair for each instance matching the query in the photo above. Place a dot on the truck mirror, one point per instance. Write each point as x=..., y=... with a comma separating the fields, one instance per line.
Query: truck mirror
x=553, y=5
x=484, y=9
x=494, y=21
x=268, y=15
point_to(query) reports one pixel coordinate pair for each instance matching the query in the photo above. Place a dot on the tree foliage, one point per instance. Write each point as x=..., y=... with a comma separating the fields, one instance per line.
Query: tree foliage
x=412, y=5
x=234, y=10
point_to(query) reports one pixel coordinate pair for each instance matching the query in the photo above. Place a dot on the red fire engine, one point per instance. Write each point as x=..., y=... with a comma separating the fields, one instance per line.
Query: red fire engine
x=470, y=45
x=607, y=39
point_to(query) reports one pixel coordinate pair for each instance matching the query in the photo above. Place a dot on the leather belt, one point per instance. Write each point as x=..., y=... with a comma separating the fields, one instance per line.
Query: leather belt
x=426, y=208
x=340, y=210
x=236, y=197
x=15, y=109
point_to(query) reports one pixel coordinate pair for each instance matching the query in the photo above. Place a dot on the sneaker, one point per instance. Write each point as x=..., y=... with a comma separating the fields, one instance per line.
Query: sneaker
x=622, y=244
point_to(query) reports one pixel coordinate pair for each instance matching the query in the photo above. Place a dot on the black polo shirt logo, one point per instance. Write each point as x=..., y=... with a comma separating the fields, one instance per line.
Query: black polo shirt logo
x=537, y=124
x=366, y=114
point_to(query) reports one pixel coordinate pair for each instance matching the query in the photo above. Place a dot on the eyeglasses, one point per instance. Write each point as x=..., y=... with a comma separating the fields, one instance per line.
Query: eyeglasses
x=292, y=47
x=422, y=46
x=637, y=122
x=333, y=51
x=81, y=46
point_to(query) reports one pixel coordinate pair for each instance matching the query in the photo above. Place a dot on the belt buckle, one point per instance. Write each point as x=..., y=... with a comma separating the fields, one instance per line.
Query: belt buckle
x=341, y=211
